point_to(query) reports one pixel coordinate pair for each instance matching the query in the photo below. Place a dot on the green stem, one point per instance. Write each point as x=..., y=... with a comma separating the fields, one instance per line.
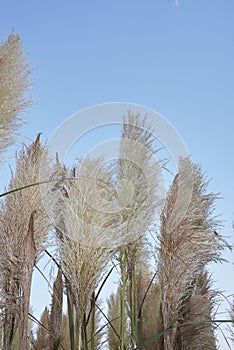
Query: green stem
x=132, y=307
x=139, y=332
x=122, y=300
x=109, y=323
x=93, y=321
x=70, y=311
x=79, y=335
x=84, y=334
x=98, y=293
x=145, y=295
x=102, y=183
x=139, y=319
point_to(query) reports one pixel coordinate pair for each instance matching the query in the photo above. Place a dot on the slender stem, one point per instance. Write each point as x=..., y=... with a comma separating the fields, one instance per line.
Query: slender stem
x=102, y=183
x=12, y=335
x=109, y=323
x=139, y=331
x=139, y=320
x=93, y=321
x=98, y=293
x=79, y=333
x=84, y=334
x=132, y=307
x=70, y=318
x=145, y=295
x=122, y=301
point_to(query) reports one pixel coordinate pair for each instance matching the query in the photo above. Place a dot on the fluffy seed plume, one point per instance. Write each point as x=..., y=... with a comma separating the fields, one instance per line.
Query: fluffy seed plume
x=148, y=309
x=140, y=195
x=85, y=229
x=23, y=228
x=187, y=245
x=56, y=314
x=139, y=184
x=14, y=83
x=198, y=307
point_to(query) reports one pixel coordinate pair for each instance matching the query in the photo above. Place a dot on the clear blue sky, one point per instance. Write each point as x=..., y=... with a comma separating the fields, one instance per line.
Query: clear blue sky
x=176, y=57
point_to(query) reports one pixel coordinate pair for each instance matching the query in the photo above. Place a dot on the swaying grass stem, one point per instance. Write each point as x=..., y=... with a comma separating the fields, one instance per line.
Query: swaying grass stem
x=132, y=308
x=98, y=293
x=109, y=323
x=145, y=295
x=70, y=311
x=79, y=335
x=84, y=334
x=93, y=321
x=122, y=296
x=46, y=182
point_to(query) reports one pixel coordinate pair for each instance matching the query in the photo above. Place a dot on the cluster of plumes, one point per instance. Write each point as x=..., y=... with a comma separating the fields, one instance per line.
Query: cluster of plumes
x=188, y=242
x=177, y=299
x=14, y=83
x=99, y=212
x=99, y=208
x=23, y=228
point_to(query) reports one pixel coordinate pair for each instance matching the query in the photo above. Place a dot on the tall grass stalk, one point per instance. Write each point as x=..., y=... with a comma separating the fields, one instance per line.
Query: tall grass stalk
x=84, y=213
x=79, y=339
x=187, y=245
x=132, y=309
x=93, y=321
x=140, y=196
x=70, y=311
x=123, y=266
x=24, y=225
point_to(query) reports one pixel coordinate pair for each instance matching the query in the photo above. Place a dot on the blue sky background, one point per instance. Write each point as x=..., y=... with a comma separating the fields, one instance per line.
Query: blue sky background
x=176, y=57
